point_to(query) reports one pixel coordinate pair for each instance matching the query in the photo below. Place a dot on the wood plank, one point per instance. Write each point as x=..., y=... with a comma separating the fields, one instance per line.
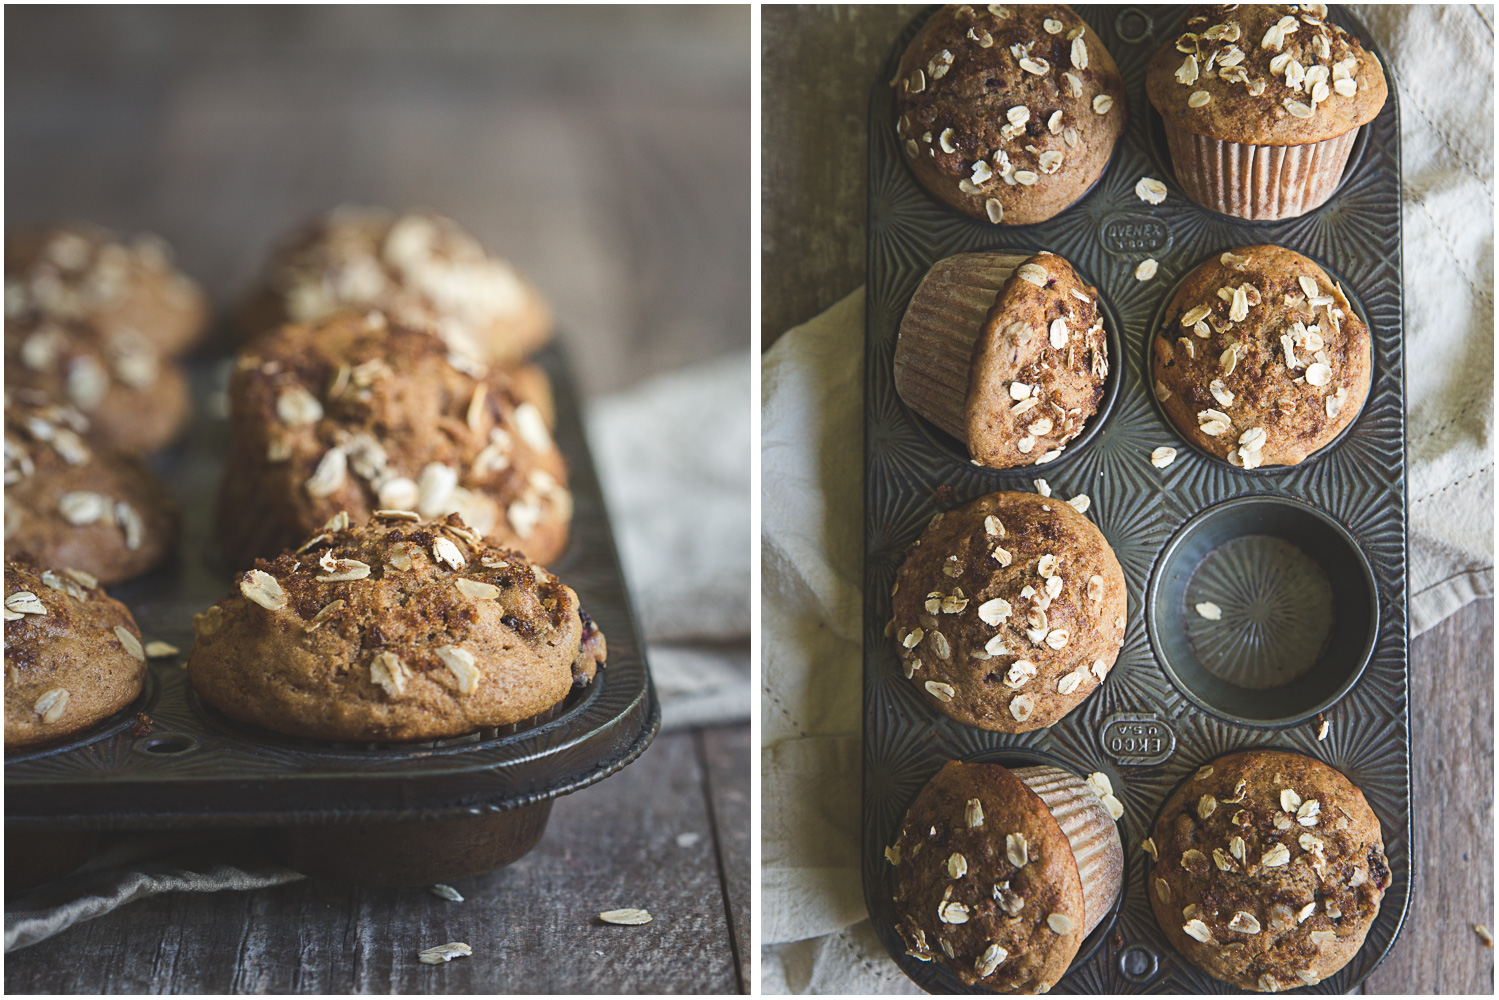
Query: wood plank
x=727, y=757
x=533, y=926
x=1452, y=728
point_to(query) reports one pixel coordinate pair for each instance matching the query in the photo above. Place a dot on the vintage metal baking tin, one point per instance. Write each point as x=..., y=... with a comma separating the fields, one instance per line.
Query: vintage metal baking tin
x=195, y=768
x=1145, y=727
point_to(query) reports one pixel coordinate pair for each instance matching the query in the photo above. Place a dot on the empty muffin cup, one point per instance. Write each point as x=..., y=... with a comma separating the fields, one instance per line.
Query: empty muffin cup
x=1262, y=610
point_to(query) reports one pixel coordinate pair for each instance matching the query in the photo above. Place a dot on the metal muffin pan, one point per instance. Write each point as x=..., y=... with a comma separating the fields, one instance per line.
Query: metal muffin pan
x=1331, y=530
x=388, y=813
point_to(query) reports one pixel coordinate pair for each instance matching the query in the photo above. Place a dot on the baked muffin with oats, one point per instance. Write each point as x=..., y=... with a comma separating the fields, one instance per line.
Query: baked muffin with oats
x=126, y=288
x=1006, y=353
x=1268, y=871
x=420, y=268
x=1009, y=611
x=137, y=398
x=1261, y=105
x=73, y=655
x=72, y=501
x=1000, y=874
x=1262, y=359
x=1008, y=113
x=356, y=413
x=399, y=629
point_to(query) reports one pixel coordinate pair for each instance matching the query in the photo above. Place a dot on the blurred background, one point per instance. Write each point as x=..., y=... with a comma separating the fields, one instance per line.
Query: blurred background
x=605, y=152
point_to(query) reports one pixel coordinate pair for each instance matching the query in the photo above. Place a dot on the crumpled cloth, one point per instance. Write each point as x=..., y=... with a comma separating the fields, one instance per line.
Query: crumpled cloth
x=673, y=457
x=816, y=938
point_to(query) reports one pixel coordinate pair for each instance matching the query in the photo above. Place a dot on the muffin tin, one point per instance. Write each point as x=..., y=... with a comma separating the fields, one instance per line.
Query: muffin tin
x=1276, y=548
x=381, y=813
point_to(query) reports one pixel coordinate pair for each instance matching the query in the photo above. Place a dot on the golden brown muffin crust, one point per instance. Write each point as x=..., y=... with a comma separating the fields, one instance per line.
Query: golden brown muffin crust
x=1293, y=78
x=1038, y=367
x=1301, y=361
x=395, y=630
x=1270, y=869
x=73, y=655
x=986, y=883
x=73, y=501
x=352, y=413
x=124, y=288
x=1008, y=113
x=981, y=629
x=422, y=269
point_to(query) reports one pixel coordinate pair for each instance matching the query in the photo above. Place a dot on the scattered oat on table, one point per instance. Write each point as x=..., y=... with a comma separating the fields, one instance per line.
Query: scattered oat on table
x=1484, y=935
x=444, y=891
x=628, y=917
x=444, y=953
x=1162, y=457
x=1210, y=611
x=1150, y=190
x=688, y=839
x=158, y=649
x=1146, y=269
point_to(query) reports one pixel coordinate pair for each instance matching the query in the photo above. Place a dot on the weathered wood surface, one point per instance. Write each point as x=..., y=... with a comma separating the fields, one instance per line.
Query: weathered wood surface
x=669, y=834
x=818, y=65
x=605, y=151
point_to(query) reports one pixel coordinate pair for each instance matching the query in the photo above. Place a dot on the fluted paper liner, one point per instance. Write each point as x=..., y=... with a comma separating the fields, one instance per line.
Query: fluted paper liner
x=1090, y=831
x=934, y=351
x=1258, y=182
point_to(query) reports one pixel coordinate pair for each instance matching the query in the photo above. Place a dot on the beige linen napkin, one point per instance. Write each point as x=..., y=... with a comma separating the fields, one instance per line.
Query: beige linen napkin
x=816, y=937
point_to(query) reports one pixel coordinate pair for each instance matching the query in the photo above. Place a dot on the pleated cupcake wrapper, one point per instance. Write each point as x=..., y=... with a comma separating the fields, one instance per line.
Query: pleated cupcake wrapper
x=1090, y=831
x=1258, y=182
x=934, y=351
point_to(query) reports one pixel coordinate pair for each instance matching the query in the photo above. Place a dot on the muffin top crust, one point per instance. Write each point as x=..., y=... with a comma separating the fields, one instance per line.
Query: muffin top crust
x=1266, y=75
x=986, y=883
x=1008, y=112
x=1269, y=869
x=1262, y=359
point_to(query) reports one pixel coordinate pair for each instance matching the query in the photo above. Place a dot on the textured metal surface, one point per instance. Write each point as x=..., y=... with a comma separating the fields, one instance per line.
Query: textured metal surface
x=1138, y=728
x=196, y=768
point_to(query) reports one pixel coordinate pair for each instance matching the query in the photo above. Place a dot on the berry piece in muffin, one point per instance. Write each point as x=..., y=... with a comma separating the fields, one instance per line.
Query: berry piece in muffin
x=73, y=501
x=1009, y=611
x=1261, y=104
x=1008, y=113
x=986, y=882
x=400, y=629
x=73, y=655
x=1262, y=359
x=1006, y=353
x=126, y=289
x=354, y=413
x=1268, y=871
x=420, y=268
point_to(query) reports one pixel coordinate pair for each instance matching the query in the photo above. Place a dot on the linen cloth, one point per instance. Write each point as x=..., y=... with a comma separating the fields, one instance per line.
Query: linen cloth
x=817, y=939
x=672, y=455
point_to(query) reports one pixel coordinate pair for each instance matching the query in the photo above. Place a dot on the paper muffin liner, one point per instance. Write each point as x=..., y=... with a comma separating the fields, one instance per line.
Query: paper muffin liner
x=935, y=348
x=1090, y=831
x=1258, y=182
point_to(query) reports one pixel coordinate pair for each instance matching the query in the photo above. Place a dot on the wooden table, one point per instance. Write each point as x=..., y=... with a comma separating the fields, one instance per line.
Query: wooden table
x=605, y=152
x=818, y=66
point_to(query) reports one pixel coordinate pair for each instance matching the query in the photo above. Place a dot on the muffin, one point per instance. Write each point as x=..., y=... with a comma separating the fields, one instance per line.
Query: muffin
x=137, y=398
x=1269, y=869
x=1261, y=359
x=354, y=413
x=125, y=289
x=73, y=656
x=1261, y=105
x=1005, y=353
x=400, y=629
x=70, y=501
x=1008, y=113
x=1009, y=611
x=420, y=268
x=1000, y=874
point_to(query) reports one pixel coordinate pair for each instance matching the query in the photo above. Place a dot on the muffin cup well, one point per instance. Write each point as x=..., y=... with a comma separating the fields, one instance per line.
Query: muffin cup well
x=934, y=351
x=1260, y=183
x=1091, y=832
